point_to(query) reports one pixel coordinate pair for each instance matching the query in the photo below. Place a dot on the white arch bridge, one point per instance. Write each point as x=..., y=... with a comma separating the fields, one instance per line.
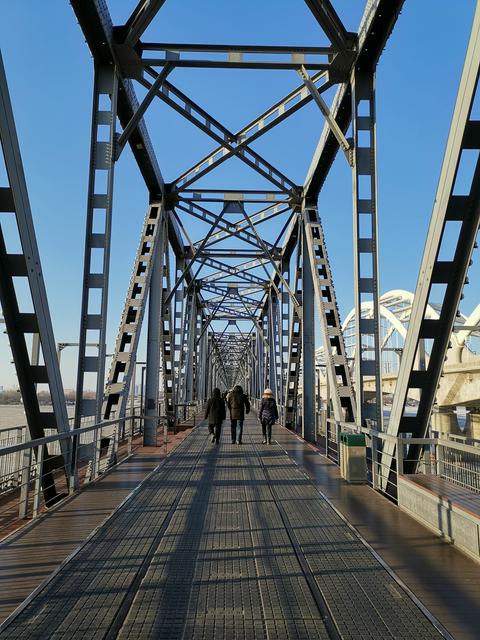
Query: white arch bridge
x=460, y=382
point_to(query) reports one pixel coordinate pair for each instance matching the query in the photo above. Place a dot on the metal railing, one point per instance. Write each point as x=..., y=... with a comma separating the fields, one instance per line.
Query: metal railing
x=34, y=475
x=448, y=456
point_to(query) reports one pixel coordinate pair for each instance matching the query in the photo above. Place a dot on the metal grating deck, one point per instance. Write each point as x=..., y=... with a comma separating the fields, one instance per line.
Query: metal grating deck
x=220, y=542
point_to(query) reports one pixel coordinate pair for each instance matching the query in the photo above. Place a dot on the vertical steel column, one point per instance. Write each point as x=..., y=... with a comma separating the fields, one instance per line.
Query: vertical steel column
x=365, y=229
x=260, y=349
x=285, y=324
x=167, y=335
x=97, y=241
x=210, y=365
x=294, y=343
x=153, y=347
x=329, y=317
x=191, y=337
x=203, y=349
x=178, y=305
x=308, y=346
x=266, y=352
x=123, y=361
x=272, y=361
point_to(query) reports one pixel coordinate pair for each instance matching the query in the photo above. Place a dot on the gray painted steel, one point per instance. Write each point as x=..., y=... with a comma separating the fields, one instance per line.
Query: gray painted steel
x=365, y=246
x=93, y=319
x=27, y=265
x=452, y=208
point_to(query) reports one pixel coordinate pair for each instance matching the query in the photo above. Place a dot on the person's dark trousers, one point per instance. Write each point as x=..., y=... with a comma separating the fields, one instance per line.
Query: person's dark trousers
x=218, y=431
x=234, y=424
x=211, y=429
x=267, y=430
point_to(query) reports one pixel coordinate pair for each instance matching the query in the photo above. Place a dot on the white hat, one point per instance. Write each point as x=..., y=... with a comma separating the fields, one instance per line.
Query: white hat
x=268, y=392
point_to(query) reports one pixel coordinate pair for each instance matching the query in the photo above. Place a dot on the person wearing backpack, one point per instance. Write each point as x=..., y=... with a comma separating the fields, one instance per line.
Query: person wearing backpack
x=268, y=415
x=216, y=414
x=239, y=405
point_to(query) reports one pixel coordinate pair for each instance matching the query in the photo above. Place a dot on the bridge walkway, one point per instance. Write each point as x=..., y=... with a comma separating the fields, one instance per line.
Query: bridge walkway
x=223, y=541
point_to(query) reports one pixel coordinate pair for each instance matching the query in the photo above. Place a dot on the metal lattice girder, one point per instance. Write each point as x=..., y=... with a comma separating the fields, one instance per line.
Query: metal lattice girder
x=186, y=359
x=294, y=342
x=365, y=238
x=231, y=292
x=329, y=316
x=266, y=121
x=154, y=339
x=123, y=362
x=26, y=266
x=308, y=339
x=178, y=305
x=212, y=127
x=93, y=322
x=454, y=228
x=167, y=338
x=241, y=270
x=237, y=229
x=226, y=228
x=284, y=320
x=273, y=381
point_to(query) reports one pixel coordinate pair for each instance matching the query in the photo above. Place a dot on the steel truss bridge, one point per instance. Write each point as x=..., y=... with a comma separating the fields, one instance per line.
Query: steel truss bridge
x=238, y=304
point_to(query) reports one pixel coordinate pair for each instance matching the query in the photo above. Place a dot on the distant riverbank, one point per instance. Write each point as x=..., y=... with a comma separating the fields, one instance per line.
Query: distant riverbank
x=13, y=415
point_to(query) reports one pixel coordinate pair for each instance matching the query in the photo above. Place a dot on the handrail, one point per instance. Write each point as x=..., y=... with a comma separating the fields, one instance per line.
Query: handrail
x=74, y=432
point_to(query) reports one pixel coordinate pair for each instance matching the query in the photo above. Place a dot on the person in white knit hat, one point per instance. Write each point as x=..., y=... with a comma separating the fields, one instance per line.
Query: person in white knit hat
x=268, y=415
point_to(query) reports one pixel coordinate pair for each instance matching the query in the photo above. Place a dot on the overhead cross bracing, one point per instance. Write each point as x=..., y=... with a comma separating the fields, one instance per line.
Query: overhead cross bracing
x=237, y=278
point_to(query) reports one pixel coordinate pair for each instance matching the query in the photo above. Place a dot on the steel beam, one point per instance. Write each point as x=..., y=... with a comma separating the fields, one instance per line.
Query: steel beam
x=446, y=259
x=308, y=346
x=331, y=24
x=96, y=268
x=329, y=317
x=256, y=128
x=365, y=247
x=294, y=341
x=153, y=349
x=123, y=361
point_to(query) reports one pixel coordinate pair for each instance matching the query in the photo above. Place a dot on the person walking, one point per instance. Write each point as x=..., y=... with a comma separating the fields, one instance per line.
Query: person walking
x=268, y=415
x=216, y=414
x=238, y=405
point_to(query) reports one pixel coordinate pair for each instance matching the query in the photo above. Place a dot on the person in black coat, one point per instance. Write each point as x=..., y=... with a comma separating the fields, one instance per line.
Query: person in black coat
x=216, y=414
x=268, y=415
x=239, y=405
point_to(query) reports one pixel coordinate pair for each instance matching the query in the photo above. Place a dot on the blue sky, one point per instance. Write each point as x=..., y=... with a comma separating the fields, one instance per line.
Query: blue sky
x=49, y=69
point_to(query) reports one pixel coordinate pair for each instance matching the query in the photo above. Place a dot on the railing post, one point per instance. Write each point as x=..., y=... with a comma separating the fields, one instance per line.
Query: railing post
x=374, y=454
x=130, y=433
x=439, y=460
x=399, y=456
x=118, y=430
x=73, y=483
x=38, y=480
x=96, y=444
x=338, y=429
x=25, y=483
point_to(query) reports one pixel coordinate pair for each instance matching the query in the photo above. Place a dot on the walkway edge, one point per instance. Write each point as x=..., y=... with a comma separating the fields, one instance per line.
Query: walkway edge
x=435, y=622
x=70, y=557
